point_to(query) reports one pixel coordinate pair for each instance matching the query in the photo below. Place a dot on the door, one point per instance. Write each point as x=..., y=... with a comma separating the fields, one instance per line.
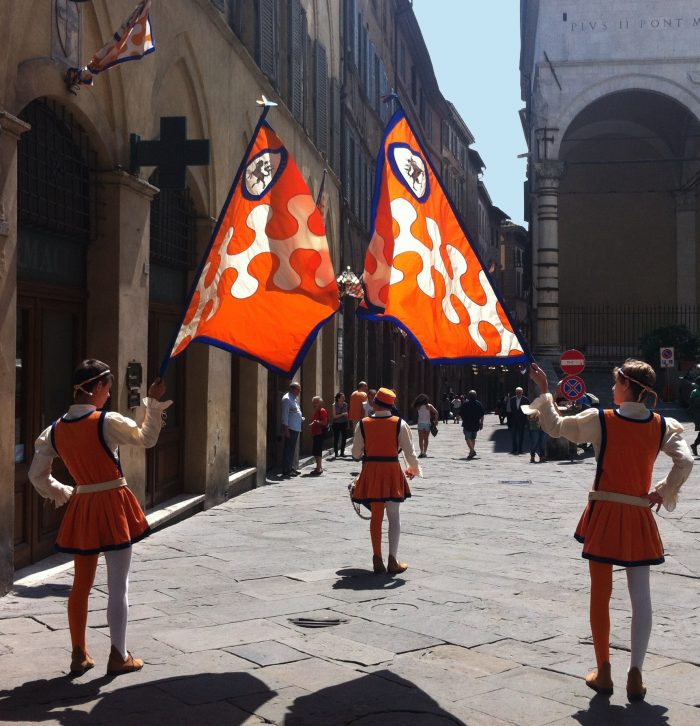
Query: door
x=50, y=343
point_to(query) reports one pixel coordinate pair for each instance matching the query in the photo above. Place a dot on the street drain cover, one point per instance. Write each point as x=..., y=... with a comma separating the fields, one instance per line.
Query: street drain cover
x=317, y=622
x=515, y=481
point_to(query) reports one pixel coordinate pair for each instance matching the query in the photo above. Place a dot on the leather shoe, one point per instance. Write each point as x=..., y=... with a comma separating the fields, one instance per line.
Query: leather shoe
x=600, y=680
x=394, y=567
x=694, y=449
x=117, y=665
x=80, y=661
x=378, y=565
x=636, y=690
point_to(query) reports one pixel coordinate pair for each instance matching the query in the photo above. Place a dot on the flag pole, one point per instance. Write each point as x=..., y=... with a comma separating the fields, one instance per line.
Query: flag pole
x=266, y=106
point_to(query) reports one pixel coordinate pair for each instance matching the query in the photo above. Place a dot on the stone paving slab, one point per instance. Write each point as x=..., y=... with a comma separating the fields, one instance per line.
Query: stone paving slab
x=489, y=626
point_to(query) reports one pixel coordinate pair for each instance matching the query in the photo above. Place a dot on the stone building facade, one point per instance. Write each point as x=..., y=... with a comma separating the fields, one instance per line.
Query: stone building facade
x=94, y=261
x=612, y=120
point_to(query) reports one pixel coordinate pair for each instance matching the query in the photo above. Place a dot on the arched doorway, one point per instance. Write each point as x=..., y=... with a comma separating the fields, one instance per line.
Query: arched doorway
x=55, y=225
x=172, y=248
x=631, y=172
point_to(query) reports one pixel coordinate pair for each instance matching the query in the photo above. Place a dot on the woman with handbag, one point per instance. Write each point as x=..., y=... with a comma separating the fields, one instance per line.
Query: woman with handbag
x=427, y=422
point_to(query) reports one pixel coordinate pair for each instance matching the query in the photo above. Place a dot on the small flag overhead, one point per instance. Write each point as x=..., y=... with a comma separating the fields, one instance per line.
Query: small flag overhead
x=421, y=269
x=266, y=284
x=132, y=41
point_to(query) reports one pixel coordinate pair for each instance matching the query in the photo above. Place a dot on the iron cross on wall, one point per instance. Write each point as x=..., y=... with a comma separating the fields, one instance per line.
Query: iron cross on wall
x=172, y=153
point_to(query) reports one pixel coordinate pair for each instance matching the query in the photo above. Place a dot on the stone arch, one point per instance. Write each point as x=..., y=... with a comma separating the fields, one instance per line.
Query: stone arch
x=627, y=82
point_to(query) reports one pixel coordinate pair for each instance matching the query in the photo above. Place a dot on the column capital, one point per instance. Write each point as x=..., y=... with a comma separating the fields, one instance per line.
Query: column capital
x=685, y=200
x=549, y=172
x=119, y=177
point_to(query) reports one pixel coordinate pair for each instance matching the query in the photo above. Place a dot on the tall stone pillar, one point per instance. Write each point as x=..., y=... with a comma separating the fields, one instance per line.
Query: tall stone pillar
x=11, y=128
x=118, y=285
x=685, y=248
x=208, y=408
x=547, y=176
x=252, y=442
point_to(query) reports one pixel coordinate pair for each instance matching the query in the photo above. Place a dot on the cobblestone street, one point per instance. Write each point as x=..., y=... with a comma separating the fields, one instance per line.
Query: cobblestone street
x=489, y=625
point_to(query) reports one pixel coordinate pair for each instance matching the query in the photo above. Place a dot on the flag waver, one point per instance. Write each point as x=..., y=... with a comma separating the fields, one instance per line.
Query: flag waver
x=132, y=41
x=266, y=284
x=421, y=270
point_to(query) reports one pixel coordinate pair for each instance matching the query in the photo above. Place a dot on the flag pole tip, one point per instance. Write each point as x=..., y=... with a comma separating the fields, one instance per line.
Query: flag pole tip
x=264, y=101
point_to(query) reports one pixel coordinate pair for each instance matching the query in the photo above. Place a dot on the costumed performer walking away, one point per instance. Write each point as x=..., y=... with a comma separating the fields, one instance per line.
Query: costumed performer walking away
x=382, y=484
x=103, y=515
x=617, y=526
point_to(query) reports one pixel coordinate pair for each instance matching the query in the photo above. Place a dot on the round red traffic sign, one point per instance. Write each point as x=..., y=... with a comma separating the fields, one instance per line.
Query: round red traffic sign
x=572, y=362
x=572, y=388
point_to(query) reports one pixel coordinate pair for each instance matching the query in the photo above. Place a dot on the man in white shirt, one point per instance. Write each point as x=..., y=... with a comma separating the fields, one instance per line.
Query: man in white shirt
x=292, y=421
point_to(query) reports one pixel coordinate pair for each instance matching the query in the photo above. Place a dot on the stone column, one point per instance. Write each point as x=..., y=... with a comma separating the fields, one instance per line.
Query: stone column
x=207, y=408
x=547, y=176
x=685, y=248
x=252, y=443
x=118, y=284
x=11, y=128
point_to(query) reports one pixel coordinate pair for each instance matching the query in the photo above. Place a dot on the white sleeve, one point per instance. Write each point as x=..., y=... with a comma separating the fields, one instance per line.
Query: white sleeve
x=583, y=427
x=406, y=444
x=675, y=446
x=40, y=471
x=122, y=430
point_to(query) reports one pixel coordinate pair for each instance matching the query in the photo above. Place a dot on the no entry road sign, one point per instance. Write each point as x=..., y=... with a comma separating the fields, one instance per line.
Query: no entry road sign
x=572, y=361
x=572, y=388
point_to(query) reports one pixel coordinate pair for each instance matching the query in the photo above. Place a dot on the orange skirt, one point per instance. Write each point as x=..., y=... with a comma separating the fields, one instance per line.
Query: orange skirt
x=381, y=481
x=101, y=521
x=619, y=534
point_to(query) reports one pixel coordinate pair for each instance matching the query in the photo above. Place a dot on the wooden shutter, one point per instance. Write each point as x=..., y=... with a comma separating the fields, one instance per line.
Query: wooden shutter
x=371, y=77
x=321, y=99
x=297, y=59
x=347, y=166
x=336, y=126
x=267, y=38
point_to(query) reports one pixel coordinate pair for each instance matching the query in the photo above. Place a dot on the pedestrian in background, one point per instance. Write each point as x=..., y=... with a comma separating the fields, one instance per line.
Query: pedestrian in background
x=367, y=409
x=427, y=415
x=456, y=406
x=445, y=407
x=537, y=438
x=319, y=429
x=340, y=424
x=517, y=420
x=355, y=409
x=292, y=421
x=617, y=527
x=472, y=413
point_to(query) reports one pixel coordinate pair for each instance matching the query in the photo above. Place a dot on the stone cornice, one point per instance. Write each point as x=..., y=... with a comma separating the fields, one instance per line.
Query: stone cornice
x=12, y=125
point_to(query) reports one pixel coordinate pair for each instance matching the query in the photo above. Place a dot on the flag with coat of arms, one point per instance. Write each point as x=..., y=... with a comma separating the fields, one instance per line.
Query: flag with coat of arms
x=422, y=271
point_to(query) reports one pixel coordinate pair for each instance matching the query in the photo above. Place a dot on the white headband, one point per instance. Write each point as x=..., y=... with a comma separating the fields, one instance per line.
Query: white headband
x=79, y=386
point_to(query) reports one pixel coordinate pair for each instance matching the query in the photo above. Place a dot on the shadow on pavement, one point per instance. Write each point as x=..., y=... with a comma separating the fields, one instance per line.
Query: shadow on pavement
x=39, y=591
x=600, y=711
x=355, y=579
x=200, y=699
x=377, y=699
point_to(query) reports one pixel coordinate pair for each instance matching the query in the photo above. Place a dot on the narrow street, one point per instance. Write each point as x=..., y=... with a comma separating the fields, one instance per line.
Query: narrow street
x=489, y=625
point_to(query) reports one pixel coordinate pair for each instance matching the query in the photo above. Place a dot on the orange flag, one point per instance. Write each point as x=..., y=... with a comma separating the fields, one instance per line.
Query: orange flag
x=266, y=284
x=421, y=270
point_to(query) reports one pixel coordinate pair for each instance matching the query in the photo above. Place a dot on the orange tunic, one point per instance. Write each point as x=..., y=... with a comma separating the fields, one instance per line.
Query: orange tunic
x=355, y=410
x=615, y=533
x=94, y=521
x=382, y=478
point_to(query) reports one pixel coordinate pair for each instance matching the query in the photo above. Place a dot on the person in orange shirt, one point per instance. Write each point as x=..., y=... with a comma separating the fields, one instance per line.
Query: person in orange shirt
x=382, y=484
x=355, y=408
x=102, y=515
x=617, y=527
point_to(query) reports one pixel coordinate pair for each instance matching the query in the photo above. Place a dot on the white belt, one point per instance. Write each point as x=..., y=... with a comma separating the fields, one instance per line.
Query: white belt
x=619, y=498
x=102, y=486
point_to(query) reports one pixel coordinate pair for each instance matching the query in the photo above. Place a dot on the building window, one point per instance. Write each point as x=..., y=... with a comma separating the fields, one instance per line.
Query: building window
x=267, y=41
x=297, y=60
x=321, y=100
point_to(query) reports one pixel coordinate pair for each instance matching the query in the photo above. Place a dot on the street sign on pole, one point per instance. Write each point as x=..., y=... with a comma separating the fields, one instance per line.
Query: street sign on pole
x=667, y=358
x=572, y=361
x=572, y=388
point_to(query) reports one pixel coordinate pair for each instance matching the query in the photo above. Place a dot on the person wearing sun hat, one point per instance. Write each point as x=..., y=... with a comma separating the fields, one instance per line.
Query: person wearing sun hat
x=383, y=483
